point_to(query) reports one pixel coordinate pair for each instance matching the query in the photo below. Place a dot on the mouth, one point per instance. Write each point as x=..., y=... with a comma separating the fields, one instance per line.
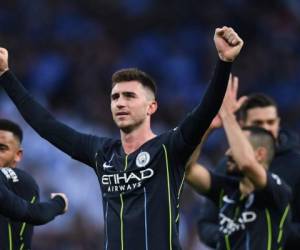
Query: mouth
x=121, y=114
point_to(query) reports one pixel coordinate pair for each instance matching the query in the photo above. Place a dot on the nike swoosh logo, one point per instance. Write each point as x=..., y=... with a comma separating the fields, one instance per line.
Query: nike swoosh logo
x=227, y=200
x=106, y=165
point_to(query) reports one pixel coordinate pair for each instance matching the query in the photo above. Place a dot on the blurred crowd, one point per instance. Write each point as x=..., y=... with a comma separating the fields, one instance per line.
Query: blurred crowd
x=66, y=51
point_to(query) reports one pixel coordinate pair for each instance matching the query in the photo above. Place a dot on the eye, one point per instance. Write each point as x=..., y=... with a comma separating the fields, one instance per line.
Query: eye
x=3, y=147
x=115, y=96
x=129, y=95
x=271, y=122
x=258, y=123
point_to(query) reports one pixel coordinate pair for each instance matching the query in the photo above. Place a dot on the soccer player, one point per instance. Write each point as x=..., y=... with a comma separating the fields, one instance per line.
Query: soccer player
x=20, y=208
x=140, y=175
x=261, y=110
x=253, y=207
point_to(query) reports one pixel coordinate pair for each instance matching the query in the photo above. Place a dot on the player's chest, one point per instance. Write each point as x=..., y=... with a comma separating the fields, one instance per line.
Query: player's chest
x=120, y=173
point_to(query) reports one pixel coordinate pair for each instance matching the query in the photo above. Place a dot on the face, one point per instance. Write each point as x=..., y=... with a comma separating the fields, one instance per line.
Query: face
x=10, y=151
x=266, y=118
x=131, y=105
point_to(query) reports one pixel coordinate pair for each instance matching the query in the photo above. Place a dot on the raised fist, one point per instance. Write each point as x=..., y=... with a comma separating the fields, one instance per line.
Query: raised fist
x=228, y=43
x=3, y=60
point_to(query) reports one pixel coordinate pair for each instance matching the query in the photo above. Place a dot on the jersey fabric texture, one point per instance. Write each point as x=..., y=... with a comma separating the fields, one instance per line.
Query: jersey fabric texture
x=285, y=164
x=14, y=234
x=257, y=221
x=20, y=209
x=140, y=191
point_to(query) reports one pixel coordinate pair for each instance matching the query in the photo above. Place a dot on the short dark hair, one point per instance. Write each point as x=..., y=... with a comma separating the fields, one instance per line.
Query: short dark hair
x=257, y=100
x=10, y=126
x=260, y=137
x=134, y=74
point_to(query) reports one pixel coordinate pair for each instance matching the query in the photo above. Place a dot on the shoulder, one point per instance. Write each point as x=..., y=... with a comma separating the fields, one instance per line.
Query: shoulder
x=25, y=178
x=276, y=183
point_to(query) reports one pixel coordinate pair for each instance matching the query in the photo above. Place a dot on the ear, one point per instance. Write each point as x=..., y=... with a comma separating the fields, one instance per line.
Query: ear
x=152, y=107
x=19, y=155
x=261, y=154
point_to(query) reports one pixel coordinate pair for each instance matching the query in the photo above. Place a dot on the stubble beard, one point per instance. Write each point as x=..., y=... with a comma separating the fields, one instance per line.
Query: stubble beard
x=127, y=129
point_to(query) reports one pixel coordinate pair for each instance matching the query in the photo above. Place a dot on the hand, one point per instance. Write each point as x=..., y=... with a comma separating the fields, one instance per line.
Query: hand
x=3, y=60
x=64, y=197
x=230, y=100
x=228, y=43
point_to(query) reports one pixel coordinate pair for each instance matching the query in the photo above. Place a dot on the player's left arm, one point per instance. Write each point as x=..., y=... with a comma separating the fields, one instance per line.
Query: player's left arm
x=228, y=45
x=16, y=208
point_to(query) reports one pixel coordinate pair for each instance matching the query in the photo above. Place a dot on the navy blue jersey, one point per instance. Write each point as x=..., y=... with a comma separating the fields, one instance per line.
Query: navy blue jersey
x=20, y=209
x=140, y=191
x=257, y=221
x=14, y=234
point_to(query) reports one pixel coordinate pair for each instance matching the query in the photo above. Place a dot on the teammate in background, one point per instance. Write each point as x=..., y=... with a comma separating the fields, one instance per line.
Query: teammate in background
x=253, y=207
x=261, y=110
x=141, y=175
x=20, y=208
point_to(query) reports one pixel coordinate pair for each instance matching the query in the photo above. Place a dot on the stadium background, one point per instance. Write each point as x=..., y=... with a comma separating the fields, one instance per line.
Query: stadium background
x=65, y=52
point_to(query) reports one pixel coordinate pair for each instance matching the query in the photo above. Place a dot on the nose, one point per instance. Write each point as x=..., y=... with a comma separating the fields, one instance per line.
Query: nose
x=266, y=126
x=120, y=103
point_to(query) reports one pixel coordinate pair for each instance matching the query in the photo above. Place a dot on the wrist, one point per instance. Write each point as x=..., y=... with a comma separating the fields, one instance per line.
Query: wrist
x=224, y=59
x=60, y=202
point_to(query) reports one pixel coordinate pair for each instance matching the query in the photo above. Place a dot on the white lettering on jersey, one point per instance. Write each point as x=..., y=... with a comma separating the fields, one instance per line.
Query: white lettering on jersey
x=10, y=174
x=126, y=181
x=229, y=226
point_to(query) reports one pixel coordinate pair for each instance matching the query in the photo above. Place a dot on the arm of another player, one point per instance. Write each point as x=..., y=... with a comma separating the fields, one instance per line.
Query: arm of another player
x=16, y=208
x=196, y=175
x=241, y=149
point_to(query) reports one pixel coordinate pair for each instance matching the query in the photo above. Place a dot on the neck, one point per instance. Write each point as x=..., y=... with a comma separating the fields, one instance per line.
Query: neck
x=246, y=186
x=132, y=140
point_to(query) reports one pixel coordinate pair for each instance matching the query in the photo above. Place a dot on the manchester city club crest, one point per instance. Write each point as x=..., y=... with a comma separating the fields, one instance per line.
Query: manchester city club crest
x=142, y=159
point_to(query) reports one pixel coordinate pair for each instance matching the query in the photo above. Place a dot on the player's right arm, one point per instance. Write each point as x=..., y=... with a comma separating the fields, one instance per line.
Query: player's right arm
x=241, y=149
x=65, y=138
x=16, y=208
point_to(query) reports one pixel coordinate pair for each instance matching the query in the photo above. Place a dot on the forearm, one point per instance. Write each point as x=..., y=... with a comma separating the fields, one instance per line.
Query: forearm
x=43, y=212
x=16, y=208
x=241, y=149
x=37, y=117
x=198, y=121
x=198, y=178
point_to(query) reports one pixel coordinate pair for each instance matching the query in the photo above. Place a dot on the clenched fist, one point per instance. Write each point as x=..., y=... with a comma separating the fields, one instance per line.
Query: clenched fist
x=228, y=43
x=64, y=197
x=3, y=60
